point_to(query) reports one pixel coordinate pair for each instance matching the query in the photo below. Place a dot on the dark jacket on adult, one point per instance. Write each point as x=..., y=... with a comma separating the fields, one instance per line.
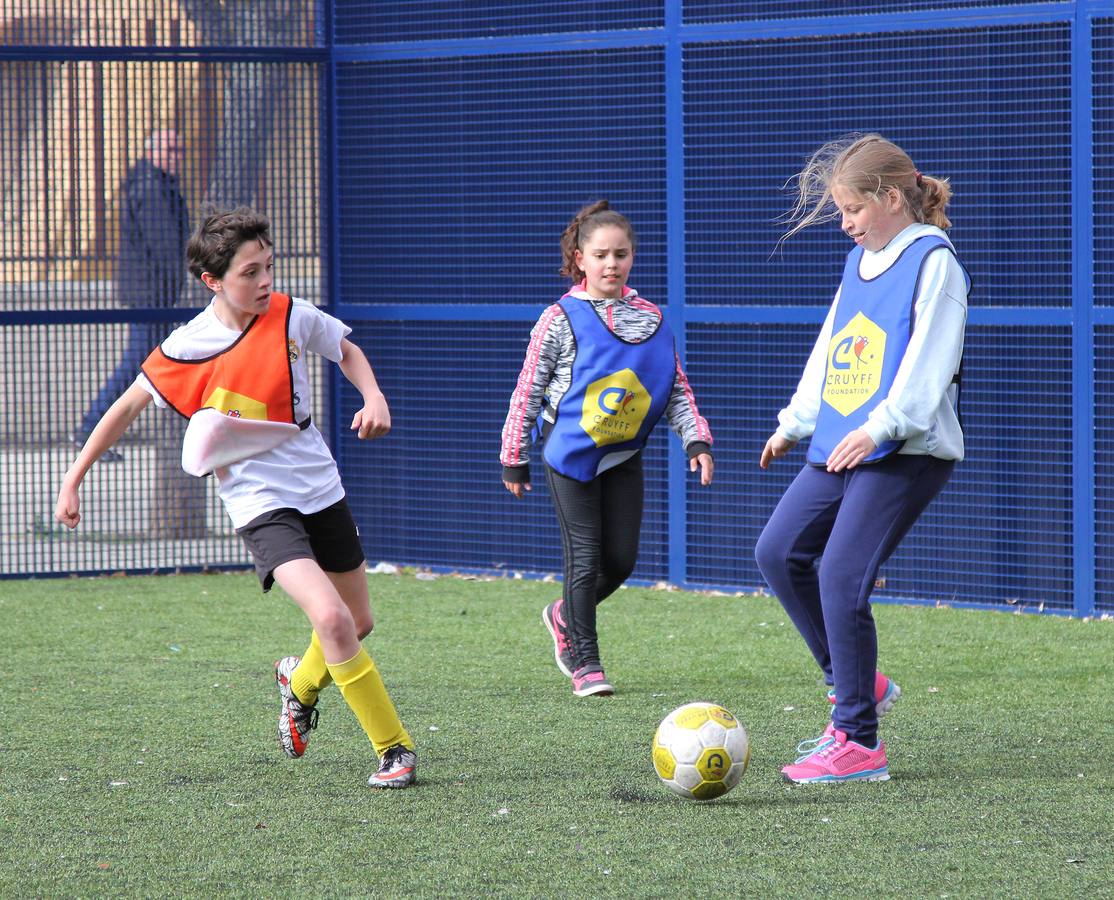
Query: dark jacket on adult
x=154, y=228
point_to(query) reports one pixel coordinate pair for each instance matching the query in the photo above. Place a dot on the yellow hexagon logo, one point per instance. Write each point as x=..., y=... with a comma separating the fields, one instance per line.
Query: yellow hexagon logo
x=713, y=764
x=721, y=715
x=709, y=790
x=614, y=408
x=855, y=357
x=664, y=763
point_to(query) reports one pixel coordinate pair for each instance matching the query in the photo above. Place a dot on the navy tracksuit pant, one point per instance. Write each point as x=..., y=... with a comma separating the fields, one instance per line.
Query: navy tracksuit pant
x=851, y=522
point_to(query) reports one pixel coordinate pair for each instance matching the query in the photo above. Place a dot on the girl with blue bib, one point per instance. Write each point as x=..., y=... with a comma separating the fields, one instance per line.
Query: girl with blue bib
x=879, y=398
x=600, y=371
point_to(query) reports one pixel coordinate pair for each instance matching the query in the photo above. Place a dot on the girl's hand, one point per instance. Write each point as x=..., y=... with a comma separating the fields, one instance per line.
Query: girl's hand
x=374, y=420
x=851, y=451
x=518, y=488
x=66, y=509
x=776, y=447
x=707, y=466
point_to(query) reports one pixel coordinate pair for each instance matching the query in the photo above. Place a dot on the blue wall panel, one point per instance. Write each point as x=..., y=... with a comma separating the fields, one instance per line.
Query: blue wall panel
x=1001, y=532
x=1104, y=470
x=485, y=154
x=462, y=174
x=988, y=108
x=358, y=21
x=741, y=375
x=755, y=10
x=1103, y=148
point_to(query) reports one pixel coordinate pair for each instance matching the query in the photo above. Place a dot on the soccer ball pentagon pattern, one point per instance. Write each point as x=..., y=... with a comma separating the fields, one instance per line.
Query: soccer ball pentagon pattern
x=700, y=751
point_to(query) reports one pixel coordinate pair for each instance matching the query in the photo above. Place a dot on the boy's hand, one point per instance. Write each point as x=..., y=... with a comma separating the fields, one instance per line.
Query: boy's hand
x=776, y=447
x=66, y=509
x=707, y=466
x=517, y=488
x=374, y=420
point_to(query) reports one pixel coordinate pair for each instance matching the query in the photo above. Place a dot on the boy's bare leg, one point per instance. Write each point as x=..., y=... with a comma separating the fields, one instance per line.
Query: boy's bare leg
x=314, y=592
x=309, y=675
x=352, y=587
x=347, y=661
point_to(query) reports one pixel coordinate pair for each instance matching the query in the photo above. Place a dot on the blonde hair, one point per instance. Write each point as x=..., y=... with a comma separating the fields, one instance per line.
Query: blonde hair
x=577, y=232
x=870, y=166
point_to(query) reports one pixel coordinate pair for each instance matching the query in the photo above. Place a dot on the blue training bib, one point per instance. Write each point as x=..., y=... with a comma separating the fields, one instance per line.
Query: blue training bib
x=870, y=334
x=618, y=393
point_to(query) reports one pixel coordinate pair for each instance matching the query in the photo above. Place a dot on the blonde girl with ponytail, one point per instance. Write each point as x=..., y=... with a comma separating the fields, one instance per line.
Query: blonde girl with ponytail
x=878, y=401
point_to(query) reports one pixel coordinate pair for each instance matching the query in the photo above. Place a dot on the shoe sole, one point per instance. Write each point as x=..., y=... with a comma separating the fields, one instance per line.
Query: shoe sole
x=596, y=690
x=872, y=775
x=291, y=752
x=556, y=653
x=394, y=784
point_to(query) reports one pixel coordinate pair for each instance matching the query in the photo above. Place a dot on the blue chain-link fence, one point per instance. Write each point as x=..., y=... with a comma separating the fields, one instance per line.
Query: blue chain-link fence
x=422, y=157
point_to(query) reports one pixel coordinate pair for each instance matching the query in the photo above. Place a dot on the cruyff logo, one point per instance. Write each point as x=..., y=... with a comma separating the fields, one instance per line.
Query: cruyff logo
x=850, y=344
x=618, y=396
x=614, y=407
x=856, y=360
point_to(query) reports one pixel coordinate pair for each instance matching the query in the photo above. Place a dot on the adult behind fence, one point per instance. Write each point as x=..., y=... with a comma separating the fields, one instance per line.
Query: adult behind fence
x=150, y=272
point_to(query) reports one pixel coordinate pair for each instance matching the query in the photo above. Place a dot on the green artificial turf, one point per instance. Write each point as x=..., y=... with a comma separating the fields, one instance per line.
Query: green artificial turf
x=138, y=753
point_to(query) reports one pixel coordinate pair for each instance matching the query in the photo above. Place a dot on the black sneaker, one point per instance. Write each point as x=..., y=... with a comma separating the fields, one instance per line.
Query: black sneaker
x=397, y=768
x=78, y=439
x=296, y=720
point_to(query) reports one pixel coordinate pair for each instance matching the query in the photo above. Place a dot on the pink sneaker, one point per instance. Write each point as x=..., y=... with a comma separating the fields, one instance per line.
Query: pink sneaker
x=805, y=749
x=562, y=649
x=840, y=760
x=589, y=680
x=886, y=693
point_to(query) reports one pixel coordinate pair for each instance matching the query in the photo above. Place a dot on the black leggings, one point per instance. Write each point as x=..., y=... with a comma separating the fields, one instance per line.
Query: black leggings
x=600, y=522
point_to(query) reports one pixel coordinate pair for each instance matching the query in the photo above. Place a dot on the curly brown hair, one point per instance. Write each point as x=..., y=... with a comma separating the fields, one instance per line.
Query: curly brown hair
x=576, y=234
x=221, y=233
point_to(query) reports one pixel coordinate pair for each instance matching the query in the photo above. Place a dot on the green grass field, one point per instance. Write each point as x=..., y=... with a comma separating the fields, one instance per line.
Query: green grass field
x=138, y=754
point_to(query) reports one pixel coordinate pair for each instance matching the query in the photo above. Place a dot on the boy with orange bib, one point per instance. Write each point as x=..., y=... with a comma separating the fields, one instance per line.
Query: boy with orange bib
x=237, y=371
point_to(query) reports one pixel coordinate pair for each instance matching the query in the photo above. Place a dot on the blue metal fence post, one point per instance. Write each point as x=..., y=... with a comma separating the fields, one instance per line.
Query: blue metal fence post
x=330, y=221
x=675, y=271
x=1083, y=343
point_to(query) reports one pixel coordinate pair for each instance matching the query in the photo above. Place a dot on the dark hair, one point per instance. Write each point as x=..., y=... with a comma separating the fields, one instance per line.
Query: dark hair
x=580, y=229
x=221, y=233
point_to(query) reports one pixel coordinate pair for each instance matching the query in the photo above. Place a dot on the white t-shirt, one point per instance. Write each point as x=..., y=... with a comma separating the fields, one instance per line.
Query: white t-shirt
x=920, y=407
x=299, y=473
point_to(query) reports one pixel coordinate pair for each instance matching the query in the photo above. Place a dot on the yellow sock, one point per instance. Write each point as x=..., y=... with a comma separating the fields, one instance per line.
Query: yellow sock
x=311, y=674
x=363, y=691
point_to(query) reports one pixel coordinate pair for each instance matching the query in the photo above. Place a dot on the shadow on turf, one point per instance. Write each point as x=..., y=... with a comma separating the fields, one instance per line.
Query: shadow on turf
x=627, y=795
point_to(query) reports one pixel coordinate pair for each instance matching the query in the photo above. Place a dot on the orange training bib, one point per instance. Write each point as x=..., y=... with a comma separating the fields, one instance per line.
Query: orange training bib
x=251, y=379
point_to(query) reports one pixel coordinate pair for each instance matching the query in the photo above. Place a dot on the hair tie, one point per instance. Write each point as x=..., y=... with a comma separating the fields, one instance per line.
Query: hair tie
x=919, y=177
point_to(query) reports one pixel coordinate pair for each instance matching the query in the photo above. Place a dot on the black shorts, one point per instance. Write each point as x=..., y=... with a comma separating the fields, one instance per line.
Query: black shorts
x=329, y=537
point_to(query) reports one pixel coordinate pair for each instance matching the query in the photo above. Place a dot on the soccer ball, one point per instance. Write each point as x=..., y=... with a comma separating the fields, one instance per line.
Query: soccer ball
x=700, y=751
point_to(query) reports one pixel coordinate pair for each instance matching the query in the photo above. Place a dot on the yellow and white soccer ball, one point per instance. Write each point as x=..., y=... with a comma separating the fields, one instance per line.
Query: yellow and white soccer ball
x=701, y=751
